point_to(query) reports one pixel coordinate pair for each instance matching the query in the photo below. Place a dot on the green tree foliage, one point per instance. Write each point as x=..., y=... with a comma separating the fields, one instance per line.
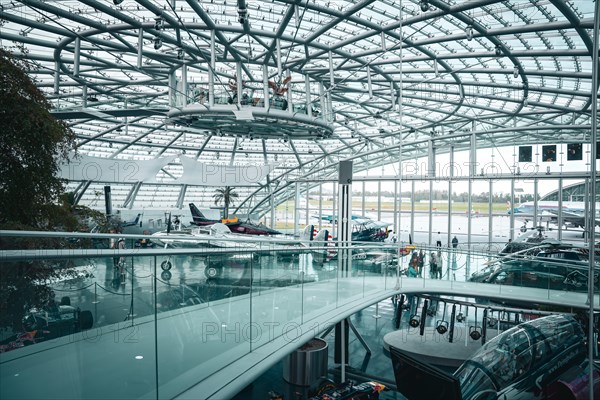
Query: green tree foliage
x=225, y=196
x=32, y=143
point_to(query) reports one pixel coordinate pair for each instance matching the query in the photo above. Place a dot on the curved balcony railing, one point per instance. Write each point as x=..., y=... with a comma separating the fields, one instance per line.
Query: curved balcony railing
x=154, y=322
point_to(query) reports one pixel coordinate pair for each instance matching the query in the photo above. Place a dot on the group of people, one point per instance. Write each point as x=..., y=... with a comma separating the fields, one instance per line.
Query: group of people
x=417, y=261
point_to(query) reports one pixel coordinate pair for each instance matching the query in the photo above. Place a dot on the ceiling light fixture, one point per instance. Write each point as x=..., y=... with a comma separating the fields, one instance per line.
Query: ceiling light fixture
x=242, y=15
x=474, y=333
x=415, y=320
x=117, y=2
x=157, y=43
x=516, y=72
x=159, y=24
x=442, y=327
x=424, y=6
x=469, y=32
x=498, y=51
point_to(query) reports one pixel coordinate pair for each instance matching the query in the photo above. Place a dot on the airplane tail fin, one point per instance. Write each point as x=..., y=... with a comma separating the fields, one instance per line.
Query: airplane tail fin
x=197, y=216
x=322, y=236
x=324, y=239
x=169, y=224
x=138, y=220
x=308, y=233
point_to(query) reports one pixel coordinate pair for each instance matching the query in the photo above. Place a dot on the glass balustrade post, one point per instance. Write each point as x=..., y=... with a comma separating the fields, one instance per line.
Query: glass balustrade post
x=131, y=313
x=301, y=297
x=250, y=300
x=154, y=290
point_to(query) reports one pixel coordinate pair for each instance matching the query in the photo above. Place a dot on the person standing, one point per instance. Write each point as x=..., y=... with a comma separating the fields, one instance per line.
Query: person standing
x=454, y=242
x=414, y=263
x=433, y=266
x=438, y=243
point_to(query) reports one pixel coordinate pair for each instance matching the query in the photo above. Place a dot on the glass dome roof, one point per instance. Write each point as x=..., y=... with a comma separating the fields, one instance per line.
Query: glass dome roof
x=361, y=80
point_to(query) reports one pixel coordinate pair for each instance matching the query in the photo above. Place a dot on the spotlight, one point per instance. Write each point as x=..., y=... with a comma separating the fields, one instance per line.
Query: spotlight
x=242, y=15
x=415, y=320
x=424, y=6
x=180, y=54
x=469, y=32
x=498, y=51
x=159, y=24
x=525, y=102
x=492, y=322
x=516, y=72
x=157, y=43
x=442, y=327
x=460, y=317
x=474, y=333
x=117, y=2
x=431, y=311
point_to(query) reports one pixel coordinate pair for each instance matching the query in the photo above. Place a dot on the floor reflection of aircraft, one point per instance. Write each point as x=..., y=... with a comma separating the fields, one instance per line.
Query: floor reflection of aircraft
x=541, y=359
x=236, y=226
x=573, y=212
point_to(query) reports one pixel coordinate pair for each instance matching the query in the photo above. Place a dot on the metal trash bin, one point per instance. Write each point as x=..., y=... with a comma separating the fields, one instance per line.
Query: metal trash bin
x=307, y=364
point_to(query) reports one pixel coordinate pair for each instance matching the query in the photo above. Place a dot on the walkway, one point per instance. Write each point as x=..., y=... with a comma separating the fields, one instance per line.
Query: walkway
x=213, y=350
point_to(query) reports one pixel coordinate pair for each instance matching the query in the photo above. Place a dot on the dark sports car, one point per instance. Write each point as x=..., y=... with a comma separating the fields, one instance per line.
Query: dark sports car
x=49, y=323
x=556, y=269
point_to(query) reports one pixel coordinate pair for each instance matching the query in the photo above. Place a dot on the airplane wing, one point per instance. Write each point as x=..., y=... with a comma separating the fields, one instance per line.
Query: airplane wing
x=575, y=219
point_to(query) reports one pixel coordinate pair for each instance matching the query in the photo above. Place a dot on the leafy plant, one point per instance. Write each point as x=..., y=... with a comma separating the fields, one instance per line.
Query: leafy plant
x=33, y=144
x=225, y=196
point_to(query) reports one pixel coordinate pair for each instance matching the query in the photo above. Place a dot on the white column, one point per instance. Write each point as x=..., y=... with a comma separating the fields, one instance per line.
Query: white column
x=211, y=70
x=140, y=47
x=76, y=56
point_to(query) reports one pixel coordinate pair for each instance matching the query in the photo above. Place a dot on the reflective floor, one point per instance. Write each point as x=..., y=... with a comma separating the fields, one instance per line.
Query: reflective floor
x=361, y=367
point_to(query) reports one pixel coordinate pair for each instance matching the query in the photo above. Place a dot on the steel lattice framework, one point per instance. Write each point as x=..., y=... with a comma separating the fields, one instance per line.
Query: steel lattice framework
x=387, y=77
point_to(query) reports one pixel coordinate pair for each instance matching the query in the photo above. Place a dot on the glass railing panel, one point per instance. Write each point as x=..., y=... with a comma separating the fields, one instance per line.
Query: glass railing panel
x=211, y=328
x=276, y=293
x=320, y=265
x=64, y=318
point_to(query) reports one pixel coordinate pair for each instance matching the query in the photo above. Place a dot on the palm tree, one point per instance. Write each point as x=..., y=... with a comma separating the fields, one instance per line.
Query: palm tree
x=225, y=195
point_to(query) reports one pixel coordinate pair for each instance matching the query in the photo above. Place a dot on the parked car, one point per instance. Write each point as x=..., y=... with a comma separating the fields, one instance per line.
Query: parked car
x=556, y=269
x=49, y=323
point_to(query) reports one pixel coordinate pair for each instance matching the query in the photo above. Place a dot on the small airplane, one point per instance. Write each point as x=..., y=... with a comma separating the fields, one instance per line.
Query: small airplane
x=545, y=358
x=219, y=235
x=364, y=229
x=234, y=224
x=573, y=212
